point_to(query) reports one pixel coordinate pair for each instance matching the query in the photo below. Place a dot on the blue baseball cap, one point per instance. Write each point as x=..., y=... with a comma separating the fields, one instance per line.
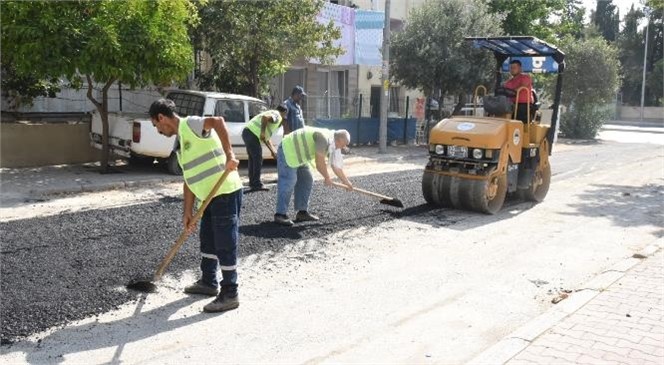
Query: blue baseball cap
x=298, y=90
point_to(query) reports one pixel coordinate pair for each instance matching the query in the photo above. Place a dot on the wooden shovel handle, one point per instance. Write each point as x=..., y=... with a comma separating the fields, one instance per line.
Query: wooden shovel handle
x=362, y=191
x=185, y=233
x=271, y=148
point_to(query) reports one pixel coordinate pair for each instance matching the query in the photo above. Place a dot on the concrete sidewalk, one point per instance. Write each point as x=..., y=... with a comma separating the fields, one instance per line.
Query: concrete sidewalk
x=618, y=318
x=30, y=183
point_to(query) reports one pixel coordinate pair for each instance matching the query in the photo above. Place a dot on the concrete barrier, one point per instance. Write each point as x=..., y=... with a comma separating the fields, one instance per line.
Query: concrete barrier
x=25, y=144
x=634, y=112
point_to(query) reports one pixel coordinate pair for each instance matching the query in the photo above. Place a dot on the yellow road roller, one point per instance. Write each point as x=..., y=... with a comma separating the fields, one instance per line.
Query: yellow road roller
x=475, y=161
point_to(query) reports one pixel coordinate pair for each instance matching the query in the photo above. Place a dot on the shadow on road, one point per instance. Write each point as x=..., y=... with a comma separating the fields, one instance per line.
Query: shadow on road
x=93, y=336
x=626, y=206
x=459, y=220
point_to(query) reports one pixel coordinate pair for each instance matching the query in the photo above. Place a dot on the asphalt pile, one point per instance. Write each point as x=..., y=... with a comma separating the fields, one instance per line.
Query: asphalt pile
x=71, y=266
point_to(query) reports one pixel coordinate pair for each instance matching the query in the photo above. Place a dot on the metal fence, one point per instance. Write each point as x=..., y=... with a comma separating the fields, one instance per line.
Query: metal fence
x=316, y=107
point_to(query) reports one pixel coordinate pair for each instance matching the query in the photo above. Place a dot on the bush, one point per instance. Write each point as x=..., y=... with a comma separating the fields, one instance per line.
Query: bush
x=583, y=122
x=590, y=82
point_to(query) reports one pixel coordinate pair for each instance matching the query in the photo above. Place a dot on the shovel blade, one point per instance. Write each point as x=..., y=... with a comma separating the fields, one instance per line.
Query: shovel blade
x=393, y=202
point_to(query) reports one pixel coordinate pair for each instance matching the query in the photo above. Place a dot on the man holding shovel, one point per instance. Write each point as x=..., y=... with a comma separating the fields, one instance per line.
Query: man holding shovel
x=297, y=151
x=259, y=130
x=204, y=151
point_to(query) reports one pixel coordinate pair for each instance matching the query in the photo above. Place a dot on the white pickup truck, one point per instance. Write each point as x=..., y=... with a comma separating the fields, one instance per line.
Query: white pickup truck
x=133, y=135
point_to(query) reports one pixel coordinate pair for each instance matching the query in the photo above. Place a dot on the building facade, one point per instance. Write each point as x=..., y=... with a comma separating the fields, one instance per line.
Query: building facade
x=350, y=89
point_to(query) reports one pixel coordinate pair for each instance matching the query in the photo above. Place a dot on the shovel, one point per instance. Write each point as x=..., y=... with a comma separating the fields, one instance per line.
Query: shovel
x=384, y=199
x=149, y=286
x=271, y=148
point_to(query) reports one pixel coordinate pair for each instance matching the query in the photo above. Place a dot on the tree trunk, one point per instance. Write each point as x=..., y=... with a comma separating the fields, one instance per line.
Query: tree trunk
x=460, y=104
x=253, y=77
x=102, y=109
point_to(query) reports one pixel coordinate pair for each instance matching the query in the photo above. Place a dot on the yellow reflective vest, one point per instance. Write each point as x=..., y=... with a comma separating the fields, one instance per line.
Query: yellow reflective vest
x=203, y=161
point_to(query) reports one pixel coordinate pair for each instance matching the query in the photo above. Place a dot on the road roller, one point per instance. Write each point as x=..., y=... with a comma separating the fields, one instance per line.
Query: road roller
x=476, y=160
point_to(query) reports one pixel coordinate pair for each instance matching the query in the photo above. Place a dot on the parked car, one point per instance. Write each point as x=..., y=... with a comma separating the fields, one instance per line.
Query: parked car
x=133, y=136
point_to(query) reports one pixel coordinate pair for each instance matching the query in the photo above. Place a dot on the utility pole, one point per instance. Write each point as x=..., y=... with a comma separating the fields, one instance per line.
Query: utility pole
x=385, y=79
x=646, y=10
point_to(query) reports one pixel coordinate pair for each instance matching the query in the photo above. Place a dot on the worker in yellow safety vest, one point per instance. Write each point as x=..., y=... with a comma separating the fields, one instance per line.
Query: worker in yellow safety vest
x=204, y=151
x=260, y=129
x=297, y=151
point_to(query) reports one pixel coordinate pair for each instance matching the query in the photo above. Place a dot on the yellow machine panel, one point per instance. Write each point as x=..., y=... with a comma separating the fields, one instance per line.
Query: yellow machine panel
x=477, y=132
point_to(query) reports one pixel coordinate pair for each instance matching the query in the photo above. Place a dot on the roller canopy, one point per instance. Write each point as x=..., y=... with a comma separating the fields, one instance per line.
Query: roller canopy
x=536, y=56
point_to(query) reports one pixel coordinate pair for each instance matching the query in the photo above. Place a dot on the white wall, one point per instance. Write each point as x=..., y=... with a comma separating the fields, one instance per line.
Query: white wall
x=398, y=8
x=634, y=112
x=69, y=100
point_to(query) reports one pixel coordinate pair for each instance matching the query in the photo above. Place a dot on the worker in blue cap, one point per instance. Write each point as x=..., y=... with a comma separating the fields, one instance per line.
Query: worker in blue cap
x=294, y=117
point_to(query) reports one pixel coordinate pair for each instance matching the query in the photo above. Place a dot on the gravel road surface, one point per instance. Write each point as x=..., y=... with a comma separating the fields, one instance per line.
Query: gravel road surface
x=69, y=266
x=369, y=281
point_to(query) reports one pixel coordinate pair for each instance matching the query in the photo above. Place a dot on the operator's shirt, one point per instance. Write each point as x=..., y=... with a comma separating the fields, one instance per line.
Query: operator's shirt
x=518, y=81
x=326, y=146
x=294, y=116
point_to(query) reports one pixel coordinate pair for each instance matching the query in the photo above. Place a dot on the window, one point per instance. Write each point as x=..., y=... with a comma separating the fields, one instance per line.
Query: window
x=395, y=100
x=256, y=108
x=231, y=110
x=187, y=104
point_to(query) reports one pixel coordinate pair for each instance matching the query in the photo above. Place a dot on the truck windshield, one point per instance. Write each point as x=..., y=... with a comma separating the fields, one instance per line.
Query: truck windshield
x=231, y=110
x=187, y=104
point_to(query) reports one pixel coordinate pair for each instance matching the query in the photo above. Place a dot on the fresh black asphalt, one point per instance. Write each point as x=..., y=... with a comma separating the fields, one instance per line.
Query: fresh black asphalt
x=70, y=266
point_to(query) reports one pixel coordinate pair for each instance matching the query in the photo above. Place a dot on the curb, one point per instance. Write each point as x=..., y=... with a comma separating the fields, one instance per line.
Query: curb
x=517, y=341
x=103, y=186
x=113, y=185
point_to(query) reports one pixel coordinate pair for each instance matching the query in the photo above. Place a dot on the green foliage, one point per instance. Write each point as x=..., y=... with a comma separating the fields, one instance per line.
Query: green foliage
x=251, y=42
x=655, y=4
x=431, y=54
x=135, y=41
x=583, y=122
x=607, y=19
x=528, y=17
x=655, y=85
x=590, y=81
x=571, y=23
x=23, y=88
x=631, y=43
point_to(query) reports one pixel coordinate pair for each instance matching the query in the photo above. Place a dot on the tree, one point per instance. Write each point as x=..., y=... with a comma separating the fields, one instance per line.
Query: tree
x=570, y=22
x=527, y=17
x=631, y=43
x=606, y=18
x=430, y=53
x=590, y=82
x=23, y=88
x=136, y=42
x=251, y=42
x=655, y=53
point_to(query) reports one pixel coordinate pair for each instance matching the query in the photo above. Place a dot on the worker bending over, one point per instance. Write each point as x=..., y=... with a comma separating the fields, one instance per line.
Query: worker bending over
x=260, y=129
x=297, y=151
x=204, y=151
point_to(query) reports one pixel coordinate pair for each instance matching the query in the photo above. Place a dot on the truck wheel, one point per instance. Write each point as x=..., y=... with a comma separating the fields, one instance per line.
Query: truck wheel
x=539, y=186
x=172, y=165
x=137, y=160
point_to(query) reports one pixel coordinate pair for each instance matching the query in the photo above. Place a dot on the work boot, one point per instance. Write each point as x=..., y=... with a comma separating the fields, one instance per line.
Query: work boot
x=255, y=189
x=283, y=220
x=223, y=302
x=304, y=216
x=200, y=287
